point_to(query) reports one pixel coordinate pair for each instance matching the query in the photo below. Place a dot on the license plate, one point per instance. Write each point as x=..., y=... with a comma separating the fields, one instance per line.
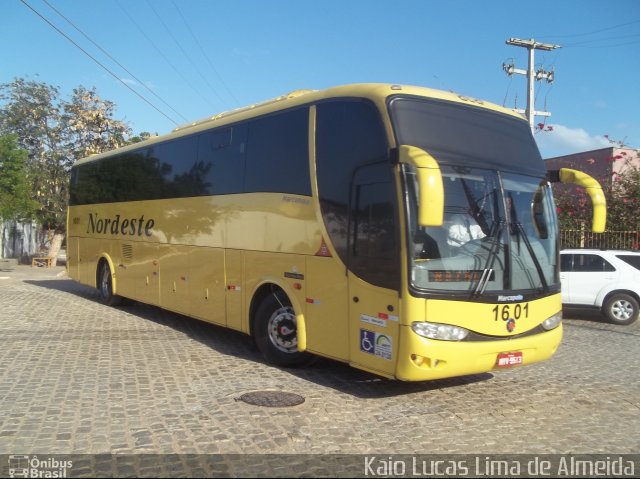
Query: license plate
x=506, y=360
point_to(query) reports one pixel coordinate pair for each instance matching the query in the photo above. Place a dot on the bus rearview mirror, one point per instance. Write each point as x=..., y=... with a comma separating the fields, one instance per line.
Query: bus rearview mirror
x=593, y=189
x=431, y=190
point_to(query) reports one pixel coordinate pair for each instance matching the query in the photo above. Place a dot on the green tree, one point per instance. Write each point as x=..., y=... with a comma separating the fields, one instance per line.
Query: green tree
x=31, y=112
x=15, y=193
x=56, y=133
x=142, y=136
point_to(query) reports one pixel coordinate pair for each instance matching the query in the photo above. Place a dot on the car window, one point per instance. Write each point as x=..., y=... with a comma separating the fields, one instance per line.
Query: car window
x=565, y=262
x=633, y=260
x=591, y=263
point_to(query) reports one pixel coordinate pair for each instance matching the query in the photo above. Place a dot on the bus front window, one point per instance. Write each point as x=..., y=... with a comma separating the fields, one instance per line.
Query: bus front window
x=498, y=234
x=533, y=232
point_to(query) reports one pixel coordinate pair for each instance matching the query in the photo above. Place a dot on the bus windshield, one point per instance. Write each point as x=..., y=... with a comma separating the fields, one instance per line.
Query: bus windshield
x=498, y=234
x=499, y=231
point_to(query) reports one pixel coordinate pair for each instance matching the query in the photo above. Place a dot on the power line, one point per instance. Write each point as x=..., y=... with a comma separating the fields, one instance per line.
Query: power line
x=598, y=40
x=204, y=53
x=605, y=46
x=160, y=52
x=586, y=43
x=114, y=60
x=595, y=31
x=184, y=52
x=98, y=62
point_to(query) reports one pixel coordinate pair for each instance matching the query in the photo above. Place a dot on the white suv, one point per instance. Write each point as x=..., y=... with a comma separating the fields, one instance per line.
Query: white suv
x=606, y=279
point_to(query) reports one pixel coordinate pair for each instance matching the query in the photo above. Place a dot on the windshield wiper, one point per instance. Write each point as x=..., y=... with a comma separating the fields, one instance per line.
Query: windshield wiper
x=527, y=243
x=474, y=209
x=494, y=248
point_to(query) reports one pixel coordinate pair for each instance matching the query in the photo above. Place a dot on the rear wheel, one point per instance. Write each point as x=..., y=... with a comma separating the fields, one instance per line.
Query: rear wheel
x=621, y=308
x=275, y=331
x=105, y=286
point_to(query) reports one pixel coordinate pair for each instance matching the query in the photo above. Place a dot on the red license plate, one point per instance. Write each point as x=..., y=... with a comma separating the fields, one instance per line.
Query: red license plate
x=506, y=360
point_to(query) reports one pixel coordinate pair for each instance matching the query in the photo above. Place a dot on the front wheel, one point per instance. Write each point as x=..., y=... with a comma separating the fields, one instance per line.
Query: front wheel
x=276, y=333
x=621, y=308
x=105, y=286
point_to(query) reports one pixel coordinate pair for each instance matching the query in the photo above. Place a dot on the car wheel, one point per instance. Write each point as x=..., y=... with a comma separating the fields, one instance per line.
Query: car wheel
x=621, y=309
x=105, y=286
x=276, y=333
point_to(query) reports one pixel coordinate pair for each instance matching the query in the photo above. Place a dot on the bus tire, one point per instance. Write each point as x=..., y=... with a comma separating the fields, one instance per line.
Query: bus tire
x=105, y=286
x=275, y=331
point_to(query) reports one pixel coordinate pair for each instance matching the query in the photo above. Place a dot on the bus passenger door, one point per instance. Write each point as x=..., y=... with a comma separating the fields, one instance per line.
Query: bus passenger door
x=374, y=269
x=326, y=314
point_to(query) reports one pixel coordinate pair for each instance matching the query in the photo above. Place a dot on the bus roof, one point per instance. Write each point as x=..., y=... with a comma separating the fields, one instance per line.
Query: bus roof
x=377, y=92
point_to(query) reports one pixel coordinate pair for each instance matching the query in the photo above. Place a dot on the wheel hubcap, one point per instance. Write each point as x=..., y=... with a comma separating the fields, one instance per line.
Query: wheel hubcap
x=105, y=285
x=282, y=330
x=622, y=309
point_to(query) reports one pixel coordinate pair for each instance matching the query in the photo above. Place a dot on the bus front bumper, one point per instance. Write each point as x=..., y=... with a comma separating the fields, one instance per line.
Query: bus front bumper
x=424, y=359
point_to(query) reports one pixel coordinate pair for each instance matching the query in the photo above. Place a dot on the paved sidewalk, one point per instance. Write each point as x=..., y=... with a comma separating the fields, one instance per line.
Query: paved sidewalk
x=10, y=270
x=79, y=377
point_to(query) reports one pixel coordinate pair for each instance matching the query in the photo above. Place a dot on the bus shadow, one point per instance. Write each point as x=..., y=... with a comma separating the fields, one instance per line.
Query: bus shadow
x=65, y=286
x=323, y=372
x=364, y=385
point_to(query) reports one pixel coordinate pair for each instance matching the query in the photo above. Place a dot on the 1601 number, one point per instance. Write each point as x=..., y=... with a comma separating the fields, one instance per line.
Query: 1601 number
x=505, y=312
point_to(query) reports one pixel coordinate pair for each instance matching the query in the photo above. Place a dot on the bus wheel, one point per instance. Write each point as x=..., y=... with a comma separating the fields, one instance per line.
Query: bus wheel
x=275, y=332
x=105, y=286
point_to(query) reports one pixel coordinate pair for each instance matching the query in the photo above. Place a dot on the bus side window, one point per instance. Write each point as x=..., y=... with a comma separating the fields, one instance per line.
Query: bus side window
x=221, y=155
x=177, y=162
x=136, y=175
x=278, y=153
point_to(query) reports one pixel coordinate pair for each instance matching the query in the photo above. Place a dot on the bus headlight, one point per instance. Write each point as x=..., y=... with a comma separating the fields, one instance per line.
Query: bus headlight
x=552, y=322
x=444, y=332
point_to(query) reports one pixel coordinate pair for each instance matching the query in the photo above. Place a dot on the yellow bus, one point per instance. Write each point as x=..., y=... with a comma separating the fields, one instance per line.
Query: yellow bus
x=406, y=231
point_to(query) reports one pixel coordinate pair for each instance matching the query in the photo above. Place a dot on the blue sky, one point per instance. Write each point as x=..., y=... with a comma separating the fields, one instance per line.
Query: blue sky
x=199, y=57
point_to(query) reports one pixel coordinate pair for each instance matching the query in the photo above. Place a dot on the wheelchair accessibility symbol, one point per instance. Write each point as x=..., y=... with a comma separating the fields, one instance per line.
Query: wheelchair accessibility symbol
x=376, y=344
x=367, y=341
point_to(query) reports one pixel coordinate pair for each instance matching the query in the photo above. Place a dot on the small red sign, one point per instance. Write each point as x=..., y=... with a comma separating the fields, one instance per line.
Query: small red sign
x=506, y=360
x=324, y=249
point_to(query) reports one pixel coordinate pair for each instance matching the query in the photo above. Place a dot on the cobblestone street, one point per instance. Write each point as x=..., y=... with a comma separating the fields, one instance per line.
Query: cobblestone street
x=79, y=377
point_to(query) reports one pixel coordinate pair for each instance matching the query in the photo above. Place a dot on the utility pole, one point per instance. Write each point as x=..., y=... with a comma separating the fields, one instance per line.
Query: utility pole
x=531, y=45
